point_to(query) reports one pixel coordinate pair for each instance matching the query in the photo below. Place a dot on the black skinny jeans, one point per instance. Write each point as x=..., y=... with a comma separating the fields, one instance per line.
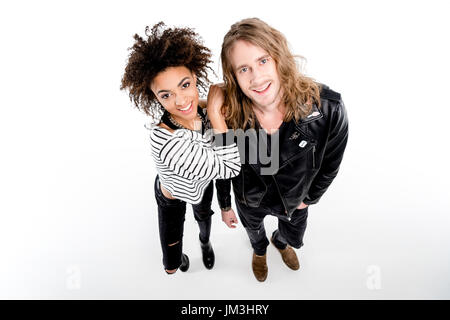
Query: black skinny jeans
x=289, y=231
x=171, y=216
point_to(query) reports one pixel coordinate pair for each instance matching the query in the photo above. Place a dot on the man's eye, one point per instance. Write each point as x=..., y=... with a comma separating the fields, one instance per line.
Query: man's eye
x=186, y=85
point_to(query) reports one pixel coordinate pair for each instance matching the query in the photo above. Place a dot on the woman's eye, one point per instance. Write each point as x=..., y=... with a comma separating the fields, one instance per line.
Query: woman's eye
x=264, y=61
x=165, y=96
x=244, y=69
x=186, y=85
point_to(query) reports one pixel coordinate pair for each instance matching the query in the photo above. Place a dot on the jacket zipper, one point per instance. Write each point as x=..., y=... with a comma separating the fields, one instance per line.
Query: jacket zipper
x=296, y=157
x=281, y=197
x=276, y=184
x=314, y=157
x=243, y=191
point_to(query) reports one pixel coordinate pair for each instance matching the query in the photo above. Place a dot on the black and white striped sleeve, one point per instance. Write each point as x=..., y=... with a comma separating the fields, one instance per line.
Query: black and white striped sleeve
x=186, y=154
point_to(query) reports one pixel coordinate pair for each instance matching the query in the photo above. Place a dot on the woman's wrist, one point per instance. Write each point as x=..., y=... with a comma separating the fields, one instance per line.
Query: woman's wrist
x=218, y=123
x=214, y=112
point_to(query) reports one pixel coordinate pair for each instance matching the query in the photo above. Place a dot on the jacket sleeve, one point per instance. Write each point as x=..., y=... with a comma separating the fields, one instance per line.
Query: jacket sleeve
x=334, y=152
x=223, y=187
x=190, y=158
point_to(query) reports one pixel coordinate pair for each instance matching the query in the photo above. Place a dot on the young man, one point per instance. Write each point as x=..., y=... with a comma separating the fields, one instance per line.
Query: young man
x=306, y=123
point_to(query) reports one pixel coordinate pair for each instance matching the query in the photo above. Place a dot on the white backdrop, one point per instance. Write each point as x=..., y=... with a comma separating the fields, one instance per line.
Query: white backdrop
x=78, y=215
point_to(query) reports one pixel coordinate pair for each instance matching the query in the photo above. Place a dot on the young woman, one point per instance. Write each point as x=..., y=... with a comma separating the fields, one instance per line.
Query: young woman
x=164, y=74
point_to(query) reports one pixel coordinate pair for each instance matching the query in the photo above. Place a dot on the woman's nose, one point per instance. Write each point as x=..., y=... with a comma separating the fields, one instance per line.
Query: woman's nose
x=180, y=100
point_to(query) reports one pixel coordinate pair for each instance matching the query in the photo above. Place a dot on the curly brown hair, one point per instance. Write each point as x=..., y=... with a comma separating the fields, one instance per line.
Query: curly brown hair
x=163, y=48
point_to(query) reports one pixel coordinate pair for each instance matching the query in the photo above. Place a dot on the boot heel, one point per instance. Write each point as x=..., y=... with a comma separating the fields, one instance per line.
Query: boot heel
x=184, y=263
x=207, y=254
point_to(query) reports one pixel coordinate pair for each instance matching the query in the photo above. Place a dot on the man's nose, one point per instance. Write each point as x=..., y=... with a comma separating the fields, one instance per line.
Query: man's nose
x=255, y=76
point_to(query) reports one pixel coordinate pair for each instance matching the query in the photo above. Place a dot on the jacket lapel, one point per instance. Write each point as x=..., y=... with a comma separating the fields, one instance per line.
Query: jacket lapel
x=296, y=142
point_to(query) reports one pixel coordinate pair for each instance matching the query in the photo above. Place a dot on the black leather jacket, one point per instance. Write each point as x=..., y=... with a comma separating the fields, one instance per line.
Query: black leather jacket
x=309, y=160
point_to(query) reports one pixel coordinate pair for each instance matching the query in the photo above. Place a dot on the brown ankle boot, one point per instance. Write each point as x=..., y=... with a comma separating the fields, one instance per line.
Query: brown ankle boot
x=259, y=266
x=289, y=256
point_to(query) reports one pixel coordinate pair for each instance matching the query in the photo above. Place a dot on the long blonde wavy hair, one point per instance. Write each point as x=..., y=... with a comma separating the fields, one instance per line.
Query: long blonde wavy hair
x=300, y=92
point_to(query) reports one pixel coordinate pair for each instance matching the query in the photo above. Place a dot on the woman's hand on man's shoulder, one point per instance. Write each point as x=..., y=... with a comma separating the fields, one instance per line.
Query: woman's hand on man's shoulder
x=216, y=98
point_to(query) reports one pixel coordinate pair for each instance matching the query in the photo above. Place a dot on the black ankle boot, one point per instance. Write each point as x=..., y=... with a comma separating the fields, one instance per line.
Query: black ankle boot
x=184, y=263
x=208, y=254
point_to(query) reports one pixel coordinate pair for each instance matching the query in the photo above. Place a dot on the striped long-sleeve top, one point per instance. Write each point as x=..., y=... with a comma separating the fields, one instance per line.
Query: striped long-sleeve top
x=187, y=161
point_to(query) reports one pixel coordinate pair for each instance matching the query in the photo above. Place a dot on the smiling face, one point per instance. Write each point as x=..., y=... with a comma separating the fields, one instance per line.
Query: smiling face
x=176, y=90
x=256, y=73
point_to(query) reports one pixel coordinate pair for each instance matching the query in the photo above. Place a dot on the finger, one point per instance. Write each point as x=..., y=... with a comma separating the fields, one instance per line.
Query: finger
x=228, y=222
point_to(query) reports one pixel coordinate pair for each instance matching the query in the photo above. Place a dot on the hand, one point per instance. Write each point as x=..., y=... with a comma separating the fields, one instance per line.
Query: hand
x=229, y=217
x=302, y=206
x=216, y=98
